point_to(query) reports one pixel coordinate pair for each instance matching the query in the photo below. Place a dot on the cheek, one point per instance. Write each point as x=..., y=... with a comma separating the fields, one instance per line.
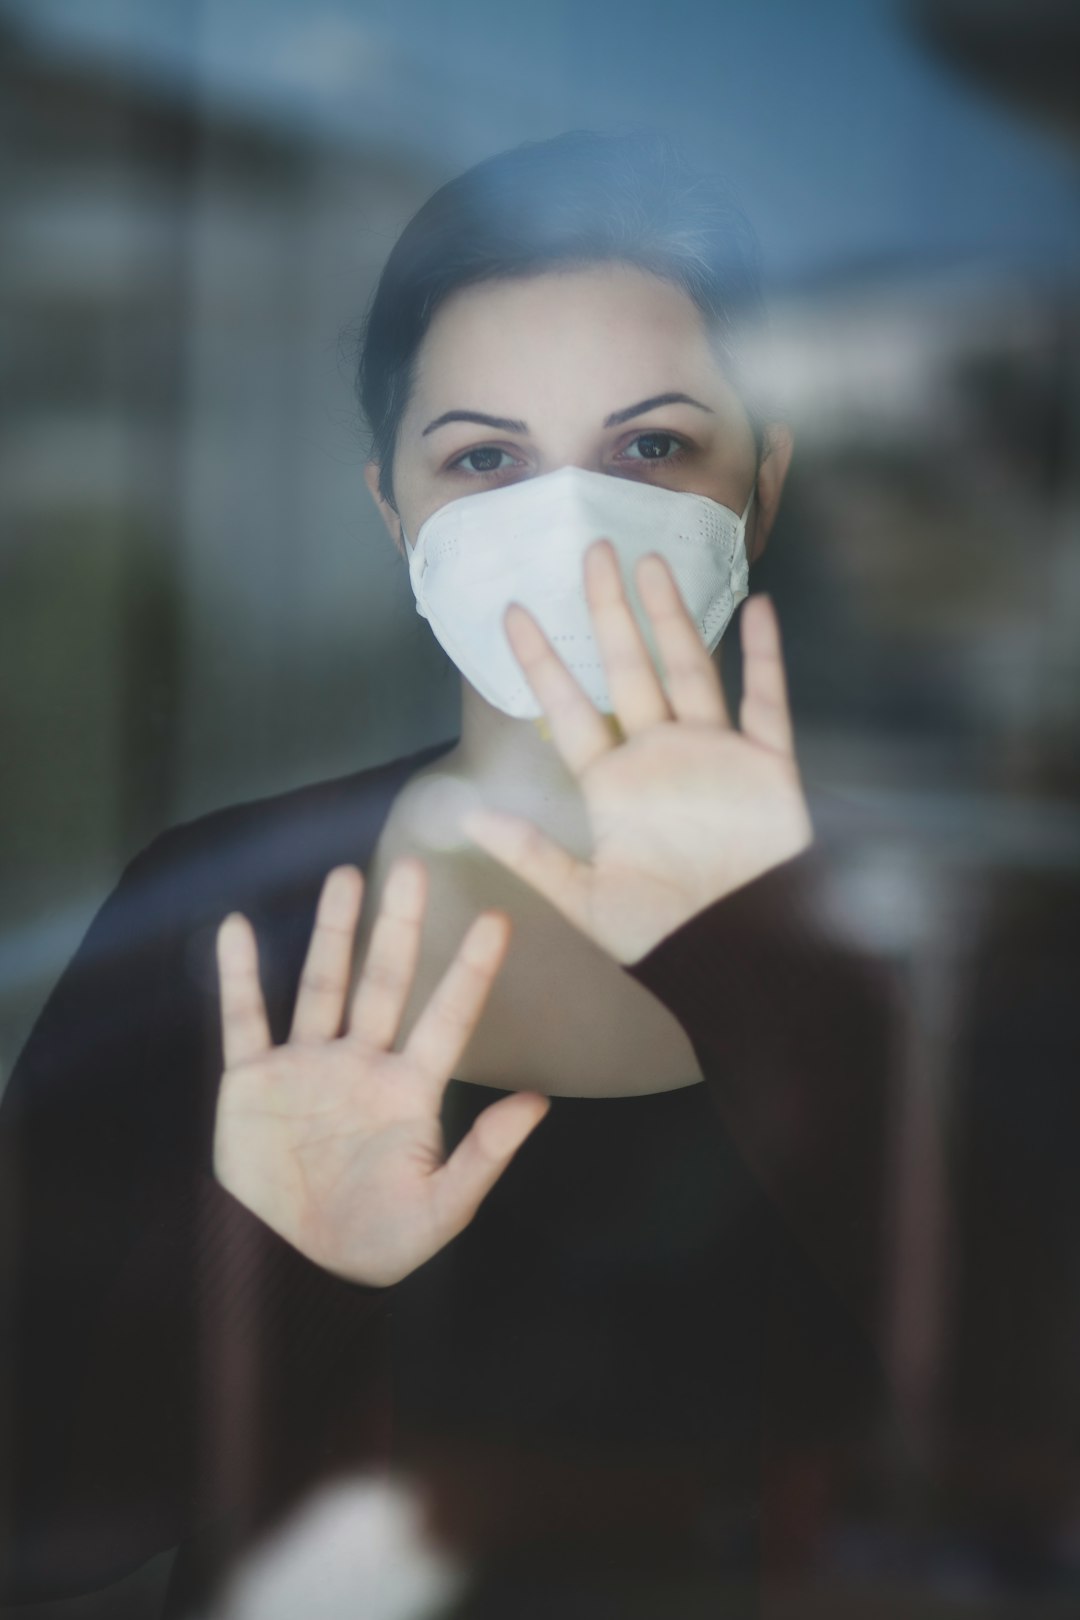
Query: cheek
x=413, y=498
x=728, y=486
x=421, y=492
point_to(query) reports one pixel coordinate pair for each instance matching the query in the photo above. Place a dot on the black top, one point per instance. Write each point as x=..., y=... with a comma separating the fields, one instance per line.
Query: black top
x=658, y=1296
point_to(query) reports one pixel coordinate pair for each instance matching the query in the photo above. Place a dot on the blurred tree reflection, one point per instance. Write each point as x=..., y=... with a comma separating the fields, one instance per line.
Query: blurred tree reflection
x=198, y=609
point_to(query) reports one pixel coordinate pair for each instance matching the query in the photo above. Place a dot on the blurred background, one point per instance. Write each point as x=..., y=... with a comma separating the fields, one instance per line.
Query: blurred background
x=200, y=606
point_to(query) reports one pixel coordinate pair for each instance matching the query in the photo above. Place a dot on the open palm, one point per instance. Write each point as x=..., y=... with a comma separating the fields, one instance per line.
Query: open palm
x=333, y=1138
x=683, y=809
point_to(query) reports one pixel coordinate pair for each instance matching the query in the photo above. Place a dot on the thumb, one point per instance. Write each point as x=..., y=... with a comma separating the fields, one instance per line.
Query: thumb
x=535, y=858
x=480, y=1159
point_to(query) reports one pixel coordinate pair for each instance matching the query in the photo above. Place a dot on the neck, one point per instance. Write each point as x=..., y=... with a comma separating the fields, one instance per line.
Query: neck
x=514, y=766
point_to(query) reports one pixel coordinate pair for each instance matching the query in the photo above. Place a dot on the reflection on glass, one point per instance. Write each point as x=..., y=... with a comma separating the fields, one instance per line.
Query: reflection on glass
x=776, y=1296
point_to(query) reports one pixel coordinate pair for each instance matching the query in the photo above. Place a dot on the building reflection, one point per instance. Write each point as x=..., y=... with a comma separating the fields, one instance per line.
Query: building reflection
x=199, y=609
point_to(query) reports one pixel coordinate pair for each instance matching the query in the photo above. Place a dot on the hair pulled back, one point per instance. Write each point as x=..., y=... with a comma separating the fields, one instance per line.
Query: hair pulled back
x=582, y=198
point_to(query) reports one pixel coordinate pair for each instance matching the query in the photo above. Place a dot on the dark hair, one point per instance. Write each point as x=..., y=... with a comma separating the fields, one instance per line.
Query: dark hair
x=581, y=198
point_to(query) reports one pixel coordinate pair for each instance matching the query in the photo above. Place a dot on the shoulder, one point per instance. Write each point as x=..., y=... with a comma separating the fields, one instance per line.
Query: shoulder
x=143, y=979
x=266, y=857
x=273, y=849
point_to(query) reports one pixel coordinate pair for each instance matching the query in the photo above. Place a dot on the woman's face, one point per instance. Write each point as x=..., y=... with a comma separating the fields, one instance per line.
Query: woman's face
x=608, y=368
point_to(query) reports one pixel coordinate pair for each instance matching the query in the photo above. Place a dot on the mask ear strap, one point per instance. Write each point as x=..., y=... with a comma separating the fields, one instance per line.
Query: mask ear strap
x=749, y=503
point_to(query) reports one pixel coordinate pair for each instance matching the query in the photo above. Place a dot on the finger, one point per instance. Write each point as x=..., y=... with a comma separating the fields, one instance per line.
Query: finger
x=245, y=1032
x=392, y=955
x=577, y=726
x=764, y=714
x=444, y=1028
x=636, y=693
x=324, y=981
x=691, y=676
x=533, y=857
x=478, y=1161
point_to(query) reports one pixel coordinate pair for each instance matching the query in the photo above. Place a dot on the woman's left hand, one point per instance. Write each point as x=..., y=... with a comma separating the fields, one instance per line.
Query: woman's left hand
x=684, y=808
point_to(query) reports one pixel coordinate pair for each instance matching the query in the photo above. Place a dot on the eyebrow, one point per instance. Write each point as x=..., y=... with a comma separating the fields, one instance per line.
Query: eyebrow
x=505, y=424
x=509, y=424
x=617, y=418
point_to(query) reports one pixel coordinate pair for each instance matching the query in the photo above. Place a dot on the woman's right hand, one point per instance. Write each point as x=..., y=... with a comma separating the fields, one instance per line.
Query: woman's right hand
x=333, y=1138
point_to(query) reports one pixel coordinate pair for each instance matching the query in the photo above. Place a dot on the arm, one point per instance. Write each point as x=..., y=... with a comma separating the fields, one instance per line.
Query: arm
x=134, y=1276
x=700, y=884
x=796, y=1036
x=207, y=1221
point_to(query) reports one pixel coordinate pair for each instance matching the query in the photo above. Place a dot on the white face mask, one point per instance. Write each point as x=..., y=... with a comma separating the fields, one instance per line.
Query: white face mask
x=526, y=543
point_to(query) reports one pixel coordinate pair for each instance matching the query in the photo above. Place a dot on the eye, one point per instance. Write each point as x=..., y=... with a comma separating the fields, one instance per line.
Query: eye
x=486, y=458
x=653, y=447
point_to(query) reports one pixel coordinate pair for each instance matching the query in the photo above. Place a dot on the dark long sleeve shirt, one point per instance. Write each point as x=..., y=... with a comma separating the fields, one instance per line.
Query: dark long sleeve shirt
x=655, y=1287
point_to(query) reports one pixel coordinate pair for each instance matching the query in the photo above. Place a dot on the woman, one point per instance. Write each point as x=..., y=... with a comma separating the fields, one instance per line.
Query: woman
x=492, y=1213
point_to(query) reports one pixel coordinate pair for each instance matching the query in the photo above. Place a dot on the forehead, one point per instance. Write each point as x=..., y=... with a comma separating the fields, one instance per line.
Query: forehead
x=603, y=335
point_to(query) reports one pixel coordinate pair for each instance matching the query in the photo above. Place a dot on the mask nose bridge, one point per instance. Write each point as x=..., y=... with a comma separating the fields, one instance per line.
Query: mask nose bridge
x=576, y=478
x=593, y=500
x=571, y=492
